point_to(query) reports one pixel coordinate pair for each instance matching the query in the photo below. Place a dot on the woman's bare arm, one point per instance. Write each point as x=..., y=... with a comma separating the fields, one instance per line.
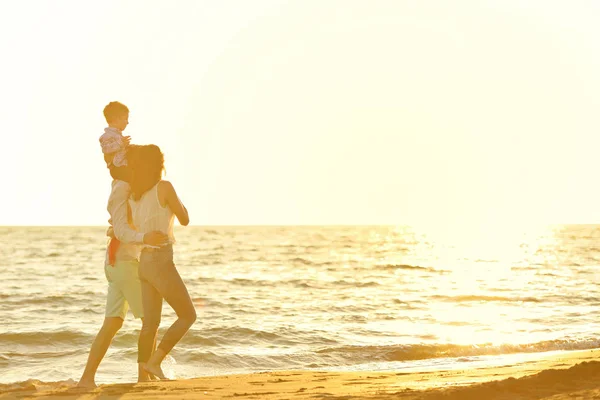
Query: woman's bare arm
x=175, y=204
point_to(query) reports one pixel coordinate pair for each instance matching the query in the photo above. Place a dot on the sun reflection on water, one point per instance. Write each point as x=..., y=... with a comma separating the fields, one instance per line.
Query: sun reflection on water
x=480, y=264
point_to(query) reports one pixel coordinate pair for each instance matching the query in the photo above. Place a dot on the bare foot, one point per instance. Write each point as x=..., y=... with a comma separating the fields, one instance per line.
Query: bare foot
x=87, y=384
x=153, y=377
x=145, y=376
x=156, y=371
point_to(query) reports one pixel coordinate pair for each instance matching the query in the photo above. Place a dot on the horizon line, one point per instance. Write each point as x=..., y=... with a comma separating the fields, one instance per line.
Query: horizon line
x=280, y=225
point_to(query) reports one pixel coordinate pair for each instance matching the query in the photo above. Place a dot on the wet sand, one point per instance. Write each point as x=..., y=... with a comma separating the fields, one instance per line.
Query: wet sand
x=567, y=375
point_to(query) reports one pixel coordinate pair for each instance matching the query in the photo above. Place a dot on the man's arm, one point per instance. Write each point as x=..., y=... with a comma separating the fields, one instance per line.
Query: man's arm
x=117, y=207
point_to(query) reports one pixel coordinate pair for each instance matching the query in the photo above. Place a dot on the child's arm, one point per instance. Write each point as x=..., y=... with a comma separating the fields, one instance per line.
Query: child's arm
x=175, y=204
x=112, y=145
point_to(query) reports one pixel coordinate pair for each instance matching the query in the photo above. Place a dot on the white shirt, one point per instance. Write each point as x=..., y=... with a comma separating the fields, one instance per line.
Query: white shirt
x=117, y=207
x=112, y=142
x=149, y=215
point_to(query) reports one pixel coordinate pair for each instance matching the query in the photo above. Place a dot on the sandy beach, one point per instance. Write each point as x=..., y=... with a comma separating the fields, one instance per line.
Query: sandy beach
x=568, y=375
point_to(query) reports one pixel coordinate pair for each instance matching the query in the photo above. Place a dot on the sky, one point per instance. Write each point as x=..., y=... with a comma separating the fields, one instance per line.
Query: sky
x=308, y=112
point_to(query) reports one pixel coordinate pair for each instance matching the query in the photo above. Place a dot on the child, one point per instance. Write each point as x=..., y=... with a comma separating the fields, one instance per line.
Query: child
x=114, y=146
x=113, y=143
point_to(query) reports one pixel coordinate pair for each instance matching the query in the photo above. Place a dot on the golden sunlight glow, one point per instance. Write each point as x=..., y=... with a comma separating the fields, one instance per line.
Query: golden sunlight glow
x=482, y=112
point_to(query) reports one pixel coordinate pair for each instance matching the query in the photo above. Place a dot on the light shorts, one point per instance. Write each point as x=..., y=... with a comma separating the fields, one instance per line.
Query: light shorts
x=124, y=289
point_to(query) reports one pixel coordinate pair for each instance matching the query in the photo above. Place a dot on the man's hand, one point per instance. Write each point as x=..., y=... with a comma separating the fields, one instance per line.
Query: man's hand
x=126, y=140
x=155, y=238
x=110, y=232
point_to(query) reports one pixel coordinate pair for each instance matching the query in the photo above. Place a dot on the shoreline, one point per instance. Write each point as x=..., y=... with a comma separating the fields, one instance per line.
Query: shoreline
x=557, y=376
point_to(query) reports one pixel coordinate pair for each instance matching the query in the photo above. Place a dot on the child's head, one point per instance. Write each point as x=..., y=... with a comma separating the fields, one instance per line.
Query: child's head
x=117, y=115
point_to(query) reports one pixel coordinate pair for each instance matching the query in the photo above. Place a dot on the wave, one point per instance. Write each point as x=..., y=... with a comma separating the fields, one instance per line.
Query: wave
x=402, y=266
x=57, y=299
x=362, y=354
x=348, y=356
x=408, y=267
x=236, y=348
x=44, y=355
x=223, y=337
x=468, y=298
x=301, y=260
x=45, y=337
x=202, y=338
x=343, y=282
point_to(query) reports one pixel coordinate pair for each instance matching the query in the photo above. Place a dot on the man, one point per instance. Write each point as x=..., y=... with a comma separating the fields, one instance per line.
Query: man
x=121, y=269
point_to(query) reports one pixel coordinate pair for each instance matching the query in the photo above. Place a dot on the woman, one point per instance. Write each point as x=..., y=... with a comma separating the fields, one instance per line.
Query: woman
x=154, y=204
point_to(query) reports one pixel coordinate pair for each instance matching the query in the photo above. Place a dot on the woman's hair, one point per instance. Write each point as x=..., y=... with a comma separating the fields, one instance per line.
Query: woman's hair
x=147, y=164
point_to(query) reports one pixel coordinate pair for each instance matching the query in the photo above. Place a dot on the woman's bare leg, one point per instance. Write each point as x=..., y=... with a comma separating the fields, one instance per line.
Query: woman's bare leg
x=174, y=291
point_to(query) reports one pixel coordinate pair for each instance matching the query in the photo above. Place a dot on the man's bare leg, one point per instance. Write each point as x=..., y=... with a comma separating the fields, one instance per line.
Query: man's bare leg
x=143, y=375
x=99, y=347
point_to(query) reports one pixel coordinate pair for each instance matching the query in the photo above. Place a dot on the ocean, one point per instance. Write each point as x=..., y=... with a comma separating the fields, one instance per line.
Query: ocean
x=309, y=297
